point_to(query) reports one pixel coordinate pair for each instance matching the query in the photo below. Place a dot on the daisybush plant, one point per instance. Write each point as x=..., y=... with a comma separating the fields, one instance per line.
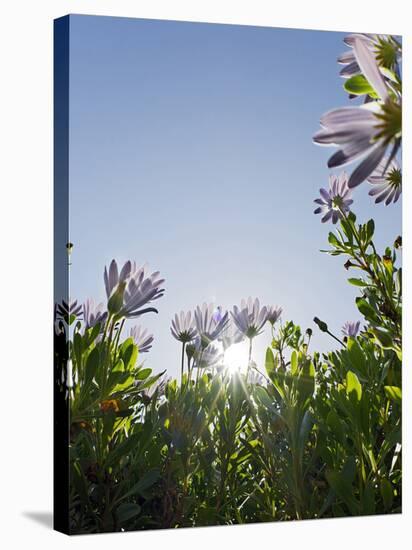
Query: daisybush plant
x=309, y=436
x=304, y=435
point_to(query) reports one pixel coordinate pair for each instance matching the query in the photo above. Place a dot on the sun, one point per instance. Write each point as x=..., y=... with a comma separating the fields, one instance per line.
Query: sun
x=236, y=357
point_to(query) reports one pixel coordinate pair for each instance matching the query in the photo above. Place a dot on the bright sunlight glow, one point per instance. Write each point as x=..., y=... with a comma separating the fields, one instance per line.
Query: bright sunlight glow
x=236, y=357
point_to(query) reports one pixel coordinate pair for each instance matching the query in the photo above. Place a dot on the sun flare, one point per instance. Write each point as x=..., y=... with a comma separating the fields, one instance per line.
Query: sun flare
x=236, y=357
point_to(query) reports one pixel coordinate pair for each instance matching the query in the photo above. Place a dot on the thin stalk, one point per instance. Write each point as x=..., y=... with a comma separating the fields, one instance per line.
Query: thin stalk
x=117, y=338
x=250, y=355
x=199, y=366
x=335, y=337
x=183, y=362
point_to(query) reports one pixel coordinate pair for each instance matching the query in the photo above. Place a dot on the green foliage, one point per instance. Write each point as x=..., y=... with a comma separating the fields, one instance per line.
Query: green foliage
x=358, y=85
x=315, y=437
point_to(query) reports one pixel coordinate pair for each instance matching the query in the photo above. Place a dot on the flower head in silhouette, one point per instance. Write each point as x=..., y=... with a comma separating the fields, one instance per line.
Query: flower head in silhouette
x=383, y=47
x=386, y=181
x=183, y=328
x=363, y=132
x=131, y=289
x=93, y=314
x=351, y=328
x=273, y=314
x=209, y=326
x=336, y=201
x=250, y=317
x=69, y=311
x=142, y=338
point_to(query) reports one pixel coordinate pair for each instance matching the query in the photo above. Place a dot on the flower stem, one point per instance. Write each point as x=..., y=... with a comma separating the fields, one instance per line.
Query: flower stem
x=250, y=355
x=335, y=337
x=183, y=362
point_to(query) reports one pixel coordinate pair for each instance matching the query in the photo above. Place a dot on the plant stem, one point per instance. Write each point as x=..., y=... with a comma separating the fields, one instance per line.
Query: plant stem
x=335, y=337
x=250, y=355
x=183, y=362
x=116, y=340
x=364, y=264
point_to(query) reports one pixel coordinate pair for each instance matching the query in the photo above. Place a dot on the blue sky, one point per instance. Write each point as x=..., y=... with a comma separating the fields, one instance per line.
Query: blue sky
x=191, y=150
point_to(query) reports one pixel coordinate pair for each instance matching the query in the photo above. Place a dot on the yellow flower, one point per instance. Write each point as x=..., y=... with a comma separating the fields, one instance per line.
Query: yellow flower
x=109, y=405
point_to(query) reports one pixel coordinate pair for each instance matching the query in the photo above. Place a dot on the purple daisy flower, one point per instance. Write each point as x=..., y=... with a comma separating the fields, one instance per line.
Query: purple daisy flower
x=183, y=328
x=208, y=326
x=387, y=182
x=66, y=309
x=385, y=48
x=362, y=132
x=142, y=338
x=273, y=314
x=249, y=318
x=348, y=58
x=139, y=288
x=93, y=314
x=335, y=202
x=255, y=378
x=351, y=328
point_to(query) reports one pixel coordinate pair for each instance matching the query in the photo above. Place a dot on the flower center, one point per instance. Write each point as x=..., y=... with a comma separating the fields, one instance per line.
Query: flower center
x=337, y=202
x=394, y=177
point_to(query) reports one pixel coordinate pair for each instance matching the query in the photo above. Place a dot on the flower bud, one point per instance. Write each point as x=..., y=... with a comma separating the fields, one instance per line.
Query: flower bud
x=321, y=324
x=190, y=350
x=115, y=302
x=398, y=242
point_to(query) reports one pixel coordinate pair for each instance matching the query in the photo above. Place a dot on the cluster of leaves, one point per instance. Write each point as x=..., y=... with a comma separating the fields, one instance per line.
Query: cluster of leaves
x=380, y=280
x=318, y=436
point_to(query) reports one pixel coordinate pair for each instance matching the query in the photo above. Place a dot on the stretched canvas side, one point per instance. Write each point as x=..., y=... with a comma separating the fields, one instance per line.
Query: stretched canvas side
x=61, y=273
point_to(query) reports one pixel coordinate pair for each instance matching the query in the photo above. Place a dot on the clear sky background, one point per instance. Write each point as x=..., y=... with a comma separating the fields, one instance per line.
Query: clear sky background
x=191, y=150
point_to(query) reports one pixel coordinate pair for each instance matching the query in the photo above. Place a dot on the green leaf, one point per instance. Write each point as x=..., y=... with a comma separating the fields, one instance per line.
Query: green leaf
x=347, y=229
x=353, y=386
x=92, y=365
x=119, y=366
x=358, y=85
x=149, y=479
x=123, y=449
x=270, y=363
x=368, y=499
x=294, y=362
x=127, y=383
x=306, y=381
x=386, y=493
x=305, y=428
x=383, y=337
x=333, y=240
x=127, y=511
x=129, y=353
x=77, y=348
x=370, y=230
x=335, y=425
x=341, y=483
x=263, y=397
x=357, y=357
x=366, y=309
x=357, y=282
x=143, y=374
x=394, y=394
x=94, y=332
